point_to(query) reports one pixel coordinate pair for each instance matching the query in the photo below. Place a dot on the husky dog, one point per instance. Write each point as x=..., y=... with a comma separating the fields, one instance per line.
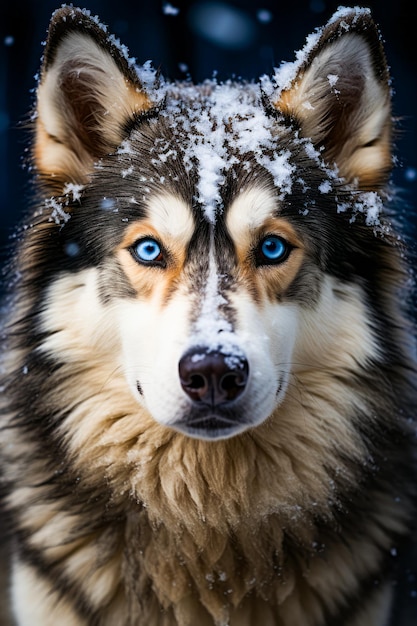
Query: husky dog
x=208, y=384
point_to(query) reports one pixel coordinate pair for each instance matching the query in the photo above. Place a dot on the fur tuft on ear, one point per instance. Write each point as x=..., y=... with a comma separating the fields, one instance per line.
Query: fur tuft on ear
x=340, y=98
x=88, y=93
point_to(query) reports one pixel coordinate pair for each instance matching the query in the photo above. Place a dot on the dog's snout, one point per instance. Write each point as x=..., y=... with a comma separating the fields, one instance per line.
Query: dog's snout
x=212, y=377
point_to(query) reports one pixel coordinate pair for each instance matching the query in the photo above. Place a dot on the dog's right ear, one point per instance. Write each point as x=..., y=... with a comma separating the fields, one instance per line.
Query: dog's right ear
x=88, y=95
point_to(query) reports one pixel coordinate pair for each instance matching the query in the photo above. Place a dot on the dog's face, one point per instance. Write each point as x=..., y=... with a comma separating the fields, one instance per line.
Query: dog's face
x=208, y=335
x=206, y=249
x=211, y=353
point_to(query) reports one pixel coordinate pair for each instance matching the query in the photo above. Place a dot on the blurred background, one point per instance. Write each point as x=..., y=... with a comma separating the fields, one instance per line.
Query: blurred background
x=194, y=39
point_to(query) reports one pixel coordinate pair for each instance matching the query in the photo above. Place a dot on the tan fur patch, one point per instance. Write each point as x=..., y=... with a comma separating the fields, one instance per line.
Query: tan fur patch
x=170, y=222
x=251, y=217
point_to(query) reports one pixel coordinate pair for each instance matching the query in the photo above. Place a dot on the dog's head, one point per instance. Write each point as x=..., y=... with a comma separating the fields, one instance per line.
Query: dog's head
x=214, y=243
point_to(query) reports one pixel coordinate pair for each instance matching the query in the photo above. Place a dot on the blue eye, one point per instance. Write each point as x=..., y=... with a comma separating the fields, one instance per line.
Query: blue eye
x=272, y=250
x=148, y=251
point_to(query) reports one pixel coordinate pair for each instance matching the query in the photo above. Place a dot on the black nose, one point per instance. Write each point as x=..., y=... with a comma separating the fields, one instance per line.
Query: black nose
x=211, y=377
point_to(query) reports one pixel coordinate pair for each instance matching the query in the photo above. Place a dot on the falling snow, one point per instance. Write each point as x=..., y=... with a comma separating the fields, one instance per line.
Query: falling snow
x=169, y=9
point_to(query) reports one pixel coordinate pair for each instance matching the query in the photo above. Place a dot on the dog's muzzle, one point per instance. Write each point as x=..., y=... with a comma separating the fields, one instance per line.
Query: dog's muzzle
x=214, y=382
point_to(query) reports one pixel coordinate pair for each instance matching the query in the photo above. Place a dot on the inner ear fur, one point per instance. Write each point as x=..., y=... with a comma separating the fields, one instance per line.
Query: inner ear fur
x=87, y=94
x=341, y=99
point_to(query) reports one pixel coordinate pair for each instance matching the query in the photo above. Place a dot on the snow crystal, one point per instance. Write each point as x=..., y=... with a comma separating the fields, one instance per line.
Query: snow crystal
x=76, y=12
x=311, y=151
x=124, y=51
x=198, y=357
x=342, y=207
x=74, y=190
x=307, y=105
x=371, y=204
x=234, y=361
x=280, y=169
x=151, y=82
x=325, y=187
x=343, y=11
x=283, y=76
x=332, y=78
x=126, y=172
x=211, y=178
x=58, y=214
x=367, y=203
x=164, y=156
x=125, y=147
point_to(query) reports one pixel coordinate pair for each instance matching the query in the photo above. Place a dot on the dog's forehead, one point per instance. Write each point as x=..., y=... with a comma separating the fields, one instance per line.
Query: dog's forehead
x=211, y=138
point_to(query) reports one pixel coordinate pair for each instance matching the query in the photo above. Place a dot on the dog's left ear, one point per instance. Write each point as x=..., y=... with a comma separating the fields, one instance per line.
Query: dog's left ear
x=341, y=98
x=88, y=95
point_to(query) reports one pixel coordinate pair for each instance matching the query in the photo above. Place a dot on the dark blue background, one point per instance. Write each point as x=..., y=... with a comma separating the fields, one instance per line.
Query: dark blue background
x=206, y=36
